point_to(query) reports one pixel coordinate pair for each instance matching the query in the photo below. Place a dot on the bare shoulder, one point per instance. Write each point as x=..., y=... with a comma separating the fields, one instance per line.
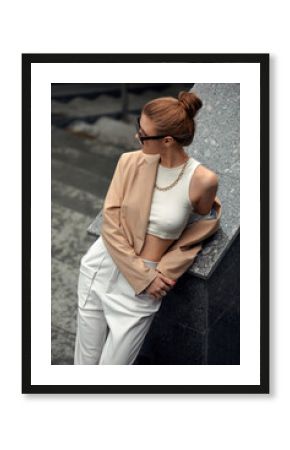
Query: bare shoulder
x=205, y=176
x=203, y=187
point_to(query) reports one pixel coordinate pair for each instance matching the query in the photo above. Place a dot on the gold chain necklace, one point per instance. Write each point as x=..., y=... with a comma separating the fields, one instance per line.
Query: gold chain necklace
x=175, y=181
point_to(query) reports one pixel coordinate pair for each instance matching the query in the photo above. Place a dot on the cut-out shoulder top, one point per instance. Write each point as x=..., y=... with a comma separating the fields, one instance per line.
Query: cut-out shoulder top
x=170, y=210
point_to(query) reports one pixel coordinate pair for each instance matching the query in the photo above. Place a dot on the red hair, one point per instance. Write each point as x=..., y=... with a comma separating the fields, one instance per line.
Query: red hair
x=174, y=116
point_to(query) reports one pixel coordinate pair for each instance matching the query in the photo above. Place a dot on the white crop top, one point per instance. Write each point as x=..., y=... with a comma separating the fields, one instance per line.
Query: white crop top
x=170, y=210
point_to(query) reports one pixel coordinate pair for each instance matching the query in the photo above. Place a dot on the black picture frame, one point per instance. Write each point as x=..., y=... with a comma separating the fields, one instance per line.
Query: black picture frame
x=260, y=59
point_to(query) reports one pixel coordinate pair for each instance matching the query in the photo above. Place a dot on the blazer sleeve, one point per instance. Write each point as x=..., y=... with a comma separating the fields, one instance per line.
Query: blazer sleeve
x=174, y=263
x=132, y=266
x=182, y=253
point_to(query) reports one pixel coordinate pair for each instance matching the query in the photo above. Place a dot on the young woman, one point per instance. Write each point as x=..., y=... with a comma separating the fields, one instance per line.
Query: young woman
x=120, y=290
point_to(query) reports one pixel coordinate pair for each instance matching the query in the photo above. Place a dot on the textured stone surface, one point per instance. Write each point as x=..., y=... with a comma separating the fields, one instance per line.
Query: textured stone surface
x=217, y=138
x=64, y=295
x=69, y=238
x=62, y=350
x=223, y=288
x=224, y=339
x=169, y=342
x=217, y=145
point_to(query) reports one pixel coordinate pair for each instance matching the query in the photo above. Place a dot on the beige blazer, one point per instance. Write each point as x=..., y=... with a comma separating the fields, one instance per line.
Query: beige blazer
x=126, y=212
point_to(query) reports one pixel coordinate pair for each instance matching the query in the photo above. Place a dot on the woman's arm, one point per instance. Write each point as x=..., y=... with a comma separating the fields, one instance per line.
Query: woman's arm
x=208, y=189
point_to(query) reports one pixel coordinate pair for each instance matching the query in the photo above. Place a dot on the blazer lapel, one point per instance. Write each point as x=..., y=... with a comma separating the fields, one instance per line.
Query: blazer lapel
x=145, y=183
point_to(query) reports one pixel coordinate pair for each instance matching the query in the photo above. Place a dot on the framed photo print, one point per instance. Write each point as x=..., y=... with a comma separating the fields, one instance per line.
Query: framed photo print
x=141, y=175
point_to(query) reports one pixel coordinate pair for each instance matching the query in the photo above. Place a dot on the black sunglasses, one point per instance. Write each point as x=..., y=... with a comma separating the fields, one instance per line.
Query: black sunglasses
x=146, y=138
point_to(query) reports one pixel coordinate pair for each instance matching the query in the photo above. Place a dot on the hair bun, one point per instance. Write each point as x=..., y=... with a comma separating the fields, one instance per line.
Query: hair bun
x=190, y=101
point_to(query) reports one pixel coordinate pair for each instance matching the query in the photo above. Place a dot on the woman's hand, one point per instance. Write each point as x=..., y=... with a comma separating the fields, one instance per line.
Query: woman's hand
x=160, y=286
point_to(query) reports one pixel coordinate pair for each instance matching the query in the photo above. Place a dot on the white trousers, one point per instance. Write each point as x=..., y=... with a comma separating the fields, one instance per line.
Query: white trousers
x=112, y=321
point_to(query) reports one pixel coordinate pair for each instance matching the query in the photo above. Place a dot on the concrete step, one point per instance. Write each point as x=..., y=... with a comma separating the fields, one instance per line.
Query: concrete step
x=64, y=138
x=77, y=200
x=91, y=162
x=81, y=179
x=69, y=238
x=64, y=282
x=67, y=139
x=66, y=91
x=90, y=109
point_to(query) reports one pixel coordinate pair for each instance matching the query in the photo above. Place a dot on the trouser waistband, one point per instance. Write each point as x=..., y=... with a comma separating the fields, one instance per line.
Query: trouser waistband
x=150, y=263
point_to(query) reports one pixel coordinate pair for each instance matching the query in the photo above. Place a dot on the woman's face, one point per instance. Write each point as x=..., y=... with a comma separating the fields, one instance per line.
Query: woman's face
x=152, y=146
